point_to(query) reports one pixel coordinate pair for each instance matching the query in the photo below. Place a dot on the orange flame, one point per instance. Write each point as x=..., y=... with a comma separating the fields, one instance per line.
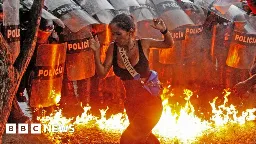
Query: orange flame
x=183, y=125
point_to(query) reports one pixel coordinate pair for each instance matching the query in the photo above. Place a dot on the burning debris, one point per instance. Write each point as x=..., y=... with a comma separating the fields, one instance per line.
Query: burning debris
x=177, y=125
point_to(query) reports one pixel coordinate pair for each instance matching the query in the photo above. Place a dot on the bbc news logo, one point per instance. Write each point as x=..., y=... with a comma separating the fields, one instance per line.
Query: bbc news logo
x=37, y=128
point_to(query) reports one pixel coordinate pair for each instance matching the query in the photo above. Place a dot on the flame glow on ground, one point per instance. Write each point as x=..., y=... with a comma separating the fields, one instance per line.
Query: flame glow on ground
x=181, y=126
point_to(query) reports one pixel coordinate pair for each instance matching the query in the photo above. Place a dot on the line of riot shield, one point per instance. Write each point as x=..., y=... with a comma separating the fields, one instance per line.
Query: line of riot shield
x=47, y=76
x=70, y=13
x=99, y=9
x=80, y=58
x=242, y=50
x=11, y=29
x=146, y=10
x=172, y=14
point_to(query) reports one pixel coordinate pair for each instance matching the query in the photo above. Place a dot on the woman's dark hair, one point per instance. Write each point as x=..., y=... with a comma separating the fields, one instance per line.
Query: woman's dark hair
x=124, y=22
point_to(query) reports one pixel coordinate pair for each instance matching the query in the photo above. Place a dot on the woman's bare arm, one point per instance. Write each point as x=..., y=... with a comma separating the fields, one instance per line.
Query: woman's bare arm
x=101, y=69
x=162, y=44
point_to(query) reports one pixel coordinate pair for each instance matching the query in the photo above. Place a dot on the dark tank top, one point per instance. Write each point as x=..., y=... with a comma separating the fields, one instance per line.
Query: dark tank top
x=142, y=67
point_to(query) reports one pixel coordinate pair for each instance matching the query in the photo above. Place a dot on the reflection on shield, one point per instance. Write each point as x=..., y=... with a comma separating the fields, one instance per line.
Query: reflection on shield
x=100, y=9
x=223, y=5
x=45, y=13
x=241, y=51
x=187, y=1
x=122, y=6
x=105, y=16
x=172, y=14
x=251, y=23
x=49, y=16
x=204, y=3
x=47, y=76
x=146, y=11
x=70, y=13
x=233, y=11
x=195, y=12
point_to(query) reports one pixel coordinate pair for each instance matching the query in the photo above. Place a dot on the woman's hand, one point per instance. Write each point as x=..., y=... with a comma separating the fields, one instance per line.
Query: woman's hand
x=159, y=24
x=94, y=43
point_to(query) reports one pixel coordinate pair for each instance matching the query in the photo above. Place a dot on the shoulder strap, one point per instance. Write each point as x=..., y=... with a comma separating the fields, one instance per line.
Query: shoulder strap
x=128, y=65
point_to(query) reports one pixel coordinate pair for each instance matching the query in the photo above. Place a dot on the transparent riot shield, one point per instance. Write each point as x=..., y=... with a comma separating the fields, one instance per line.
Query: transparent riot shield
x=100, y=9
x=241, y=51
x=204, y=3
x=123, y=6
x=192, y=53
x=146, y=10
x=45, y=13
x=47, y=76
x=172, y=14
x=223, y=5
x=80, y=58
x=250, y=21
x=95, y=6
x=233, y=11
x=70, y=13
x=193, y=42
x=173, y=55
x=195, y=13
x=11, y=30
x=250, y=28
x=105, y=16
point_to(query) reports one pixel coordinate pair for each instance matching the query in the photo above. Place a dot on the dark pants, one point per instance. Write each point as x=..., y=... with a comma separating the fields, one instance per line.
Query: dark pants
x=144, y=112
